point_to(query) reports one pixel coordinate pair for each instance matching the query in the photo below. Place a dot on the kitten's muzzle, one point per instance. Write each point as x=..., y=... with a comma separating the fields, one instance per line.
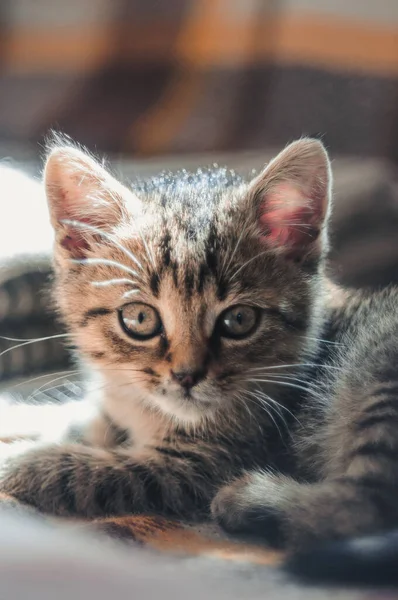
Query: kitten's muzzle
x=188, y=378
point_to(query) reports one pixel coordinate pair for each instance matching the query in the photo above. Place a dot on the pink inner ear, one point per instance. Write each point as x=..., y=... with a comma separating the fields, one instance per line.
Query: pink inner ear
x=74, y=241
x=75, y=245
x=288, y=217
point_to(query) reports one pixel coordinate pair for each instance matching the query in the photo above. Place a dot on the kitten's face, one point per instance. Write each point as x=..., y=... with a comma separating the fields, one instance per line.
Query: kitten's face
x=178, y=297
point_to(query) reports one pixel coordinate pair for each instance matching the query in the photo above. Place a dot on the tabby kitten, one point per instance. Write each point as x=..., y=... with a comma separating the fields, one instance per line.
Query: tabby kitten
x=190, y=299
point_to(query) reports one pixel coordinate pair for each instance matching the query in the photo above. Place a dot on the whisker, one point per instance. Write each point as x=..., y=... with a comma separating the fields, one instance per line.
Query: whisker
x=131, y=293
x=263, y=404
x=43, y=387
x=43, y=339
x=246, y=263
x=149, y=254
x=225, y=267
x=104, y=261
x=107, y=236
x=106, y=282
x=315, y=339
x=268, y=368
x=277, y=382
x=26, y=382
x=280, y=406
x=290, y=377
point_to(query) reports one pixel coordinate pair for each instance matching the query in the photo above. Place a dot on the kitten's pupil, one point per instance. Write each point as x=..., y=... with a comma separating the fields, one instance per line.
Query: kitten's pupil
x=141, y=317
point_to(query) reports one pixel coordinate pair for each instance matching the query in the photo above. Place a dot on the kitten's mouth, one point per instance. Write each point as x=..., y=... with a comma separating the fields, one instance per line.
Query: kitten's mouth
x=190, y=397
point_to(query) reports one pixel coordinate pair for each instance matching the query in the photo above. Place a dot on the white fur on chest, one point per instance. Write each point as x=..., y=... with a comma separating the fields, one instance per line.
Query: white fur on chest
x=146, y=427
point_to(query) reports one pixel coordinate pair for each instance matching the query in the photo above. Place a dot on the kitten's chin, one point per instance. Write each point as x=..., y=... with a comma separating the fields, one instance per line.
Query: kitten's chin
x=187, y=411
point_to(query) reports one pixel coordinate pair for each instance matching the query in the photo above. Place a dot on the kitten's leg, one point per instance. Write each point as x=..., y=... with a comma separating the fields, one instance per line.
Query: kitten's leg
x=358, y=494
x=288, y=513
x=79, y=480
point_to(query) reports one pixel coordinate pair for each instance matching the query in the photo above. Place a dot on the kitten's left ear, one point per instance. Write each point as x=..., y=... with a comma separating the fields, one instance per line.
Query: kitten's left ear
x=292, y=199
x=82, y=196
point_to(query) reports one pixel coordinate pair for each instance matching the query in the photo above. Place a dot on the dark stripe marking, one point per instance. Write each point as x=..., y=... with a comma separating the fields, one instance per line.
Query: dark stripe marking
x=222, y=289
x=174, y=272
x=202, y=276
x=376, y=450
x=92, y=314
x=385, y=390
x=165, y=246
x=150, y=371
x=189, y=283
x=154, y=284
x=372, y=420
x=97, y=354
x=193, y=458
x=382, y=404
x=153, y=491
x=121, y=346
x=163, y=344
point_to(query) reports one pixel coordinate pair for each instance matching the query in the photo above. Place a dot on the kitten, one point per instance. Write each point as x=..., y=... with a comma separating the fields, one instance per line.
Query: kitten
x=345, y=444
x=190, y=298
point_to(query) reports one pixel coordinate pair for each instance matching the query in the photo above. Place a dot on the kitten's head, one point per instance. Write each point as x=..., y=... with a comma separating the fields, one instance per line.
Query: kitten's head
x=187, y=291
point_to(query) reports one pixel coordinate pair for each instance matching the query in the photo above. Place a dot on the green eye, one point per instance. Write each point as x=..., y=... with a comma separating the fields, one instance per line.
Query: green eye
x=140, y=321
x=238, y=321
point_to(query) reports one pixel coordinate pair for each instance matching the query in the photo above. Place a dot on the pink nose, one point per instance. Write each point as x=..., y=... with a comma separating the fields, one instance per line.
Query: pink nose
x=187, y=379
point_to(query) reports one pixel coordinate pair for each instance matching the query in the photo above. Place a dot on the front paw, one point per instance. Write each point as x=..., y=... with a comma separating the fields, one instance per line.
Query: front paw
x=31, y=475
x=249, y=506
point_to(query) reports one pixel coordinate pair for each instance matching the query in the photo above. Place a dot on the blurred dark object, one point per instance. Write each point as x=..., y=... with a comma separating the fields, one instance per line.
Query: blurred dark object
x=150, y=77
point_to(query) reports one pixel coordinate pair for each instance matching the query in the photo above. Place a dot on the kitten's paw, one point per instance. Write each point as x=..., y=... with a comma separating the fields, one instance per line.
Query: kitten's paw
x=35, y=476
x=251, y=505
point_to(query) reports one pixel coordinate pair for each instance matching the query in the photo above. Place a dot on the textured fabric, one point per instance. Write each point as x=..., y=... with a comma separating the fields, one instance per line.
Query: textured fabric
x=43, y=563
x=200, y=75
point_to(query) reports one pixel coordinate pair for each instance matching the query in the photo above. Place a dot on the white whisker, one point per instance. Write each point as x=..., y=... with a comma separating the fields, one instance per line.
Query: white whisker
x=280, y=406
x=277, y=382
x=107, y=236
x=130, y=293
x=262, y=402
x=225, y=267
x=246, y=263
x=315, y=339
x=149, y=253
x=289, y=377
x=107, y=282
x=17, y=385
x=43, y=339
x=269, y=368
x=43, y=387
x=104, y=261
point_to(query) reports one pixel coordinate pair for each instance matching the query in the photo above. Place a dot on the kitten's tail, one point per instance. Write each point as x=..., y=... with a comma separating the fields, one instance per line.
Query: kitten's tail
x=369, y=560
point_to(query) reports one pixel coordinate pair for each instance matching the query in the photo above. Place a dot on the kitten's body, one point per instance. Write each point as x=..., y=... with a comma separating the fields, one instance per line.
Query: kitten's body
x=192, y=250
x=198, y=400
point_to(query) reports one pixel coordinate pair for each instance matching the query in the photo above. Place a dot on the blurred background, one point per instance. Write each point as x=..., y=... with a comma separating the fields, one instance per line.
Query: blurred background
x=161, y=77
x=157, y=84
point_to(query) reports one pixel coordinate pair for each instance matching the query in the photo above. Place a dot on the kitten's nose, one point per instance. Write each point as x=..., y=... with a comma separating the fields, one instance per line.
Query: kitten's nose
x=187, y=379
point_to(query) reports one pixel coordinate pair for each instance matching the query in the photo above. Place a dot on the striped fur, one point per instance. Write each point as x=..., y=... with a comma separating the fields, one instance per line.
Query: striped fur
x=345, y=441
x=190, y=246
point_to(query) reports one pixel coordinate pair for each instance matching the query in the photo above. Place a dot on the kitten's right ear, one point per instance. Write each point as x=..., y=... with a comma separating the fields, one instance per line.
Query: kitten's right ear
x=82, y=197
x=292, y=200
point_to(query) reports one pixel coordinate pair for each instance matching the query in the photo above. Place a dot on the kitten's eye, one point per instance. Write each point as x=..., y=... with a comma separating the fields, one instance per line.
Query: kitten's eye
x=140, y=321
x=238, y=321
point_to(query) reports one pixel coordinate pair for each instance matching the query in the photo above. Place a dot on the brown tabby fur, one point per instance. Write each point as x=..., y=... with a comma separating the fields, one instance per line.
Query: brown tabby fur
x=311, y=392
x=191, y=245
